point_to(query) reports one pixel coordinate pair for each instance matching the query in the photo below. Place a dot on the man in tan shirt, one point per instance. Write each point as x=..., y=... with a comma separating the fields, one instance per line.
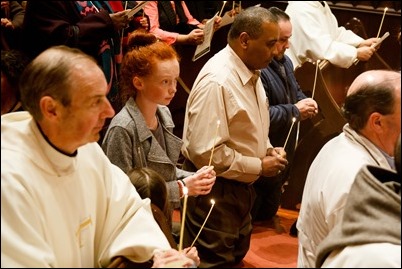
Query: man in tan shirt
x=227, y=117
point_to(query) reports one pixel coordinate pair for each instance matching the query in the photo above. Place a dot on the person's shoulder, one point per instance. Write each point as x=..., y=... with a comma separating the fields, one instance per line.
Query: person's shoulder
x=216, y=69
x=288, y=62
x=92, y=148
x=265, y=71
x=268, y=74
x=166, y=116
x=164, y=109
x=375, y=255
x=123, y=118
x=16, y=125
x=297, y=9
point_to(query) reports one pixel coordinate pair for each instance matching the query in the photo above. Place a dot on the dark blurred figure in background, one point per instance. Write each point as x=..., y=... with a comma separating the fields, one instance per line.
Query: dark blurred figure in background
x=12, y=18
x=13, y=63
x=94, y=27
x=140, y=20
x=204, y=10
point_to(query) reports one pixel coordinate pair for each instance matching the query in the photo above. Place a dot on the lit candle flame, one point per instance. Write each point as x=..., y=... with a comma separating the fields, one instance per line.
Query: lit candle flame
x=220, y=13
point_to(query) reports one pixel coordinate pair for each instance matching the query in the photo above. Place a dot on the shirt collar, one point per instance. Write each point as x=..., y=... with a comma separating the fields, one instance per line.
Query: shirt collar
x=246, y=75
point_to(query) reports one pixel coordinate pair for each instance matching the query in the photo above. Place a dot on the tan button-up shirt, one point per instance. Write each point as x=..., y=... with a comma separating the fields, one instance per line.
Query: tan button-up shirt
x=226, y=91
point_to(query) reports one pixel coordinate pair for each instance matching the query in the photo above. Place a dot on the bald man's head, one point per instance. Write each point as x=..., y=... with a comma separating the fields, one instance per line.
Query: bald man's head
x=372, y=91
x=372, y=78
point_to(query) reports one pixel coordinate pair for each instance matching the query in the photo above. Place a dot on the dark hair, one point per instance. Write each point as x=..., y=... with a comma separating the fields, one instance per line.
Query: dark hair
x=49, y=74
x=279, y=13
x=370, y=98
x=150, y=184
x=13, y=63
x=144, y=52
x=250, y=20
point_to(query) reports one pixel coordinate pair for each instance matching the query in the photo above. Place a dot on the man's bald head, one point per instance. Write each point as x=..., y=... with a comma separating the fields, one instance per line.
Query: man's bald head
x=372, y=91
x=373, y=107
x=372, y=78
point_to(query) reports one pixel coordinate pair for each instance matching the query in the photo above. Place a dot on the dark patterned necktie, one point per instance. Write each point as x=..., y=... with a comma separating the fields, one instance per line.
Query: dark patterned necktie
x=285, y=80
x=282, y=70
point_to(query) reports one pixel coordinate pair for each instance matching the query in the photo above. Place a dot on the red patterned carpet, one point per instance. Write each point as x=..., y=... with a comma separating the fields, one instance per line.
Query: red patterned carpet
x=271, y=244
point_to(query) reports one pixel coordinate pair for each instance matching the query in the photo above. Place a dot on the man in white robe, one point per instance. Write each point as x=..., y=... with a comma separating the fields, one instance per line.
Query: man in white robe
x=63, y=204
x=373, y=111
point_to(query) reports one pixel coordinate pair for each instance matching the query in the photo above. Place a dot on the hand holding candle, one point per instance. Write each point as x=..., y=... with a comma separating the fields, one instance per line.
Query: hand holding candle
x=356, y=61
x=183, y=218
x=290, y=130
x=212, y=206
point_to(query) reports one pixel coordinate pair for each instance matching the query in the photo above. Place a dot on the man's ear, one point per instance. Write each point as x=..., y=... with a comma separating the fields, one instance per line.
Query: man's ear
x=375, y=122
x=48, y=106
x=244, y=38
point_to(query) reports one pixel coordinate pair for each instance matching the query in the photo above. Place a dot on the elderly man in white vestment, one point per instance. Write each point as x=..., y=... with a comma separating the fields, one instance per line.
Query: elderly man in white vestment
x=372, y=109
x=63, y=204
